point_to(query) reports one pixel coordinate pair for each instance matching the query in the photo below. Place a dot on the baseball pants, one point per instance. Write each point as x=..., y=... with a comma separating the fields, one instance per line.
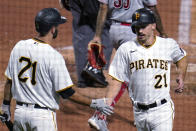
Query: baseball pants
x=33, y=119
x=120, y=34
x=159, y=118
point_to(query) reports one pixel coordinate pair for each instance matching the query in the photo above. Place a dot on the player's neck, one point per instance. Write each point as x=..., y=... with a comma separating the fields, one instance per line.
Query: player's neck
x=45, y=39
x=148, y=42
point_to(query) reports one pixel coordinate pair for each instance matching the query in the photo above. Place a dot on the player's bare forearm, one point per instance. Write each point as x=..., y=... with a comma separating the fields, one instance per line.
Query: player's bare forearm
x=101, y=20
x=113, y=90
x=80, y=99
x=182, y=67
x=7, y=90
x=159, y=25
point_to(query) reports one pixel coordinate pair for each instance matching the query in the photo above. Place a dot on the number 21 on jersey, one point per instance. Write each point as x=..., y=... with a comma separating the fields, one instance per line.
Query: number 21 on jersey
x=159, y=79
x=29, y=65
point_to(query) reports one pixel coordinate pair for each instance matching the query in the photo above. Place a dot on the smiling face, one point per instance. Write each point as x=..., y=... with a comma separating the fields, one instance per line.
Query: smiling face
x=145, y=33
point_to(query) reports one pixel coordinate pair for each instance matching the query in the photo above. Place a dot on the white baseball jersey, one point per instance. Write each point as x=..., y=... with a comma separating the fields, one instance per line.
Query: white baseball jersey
x=37, y=72
x=146, y=69
x=122, y=10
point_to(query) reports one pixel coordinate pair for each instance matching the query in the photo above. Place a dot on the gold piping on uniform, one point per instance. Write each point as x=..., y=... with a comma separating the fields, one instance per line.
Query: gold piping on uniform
x=172, y=113
x=8, y=77
x=65, y=88
x=54, y=121
x=116, y=78
x=180, y=59
x=40, y=41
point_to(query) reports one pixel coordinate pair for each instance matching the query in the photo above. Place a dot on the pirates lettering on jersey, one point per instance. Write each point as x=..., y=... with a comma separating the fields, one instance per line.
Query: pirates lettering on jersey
x=150, y=63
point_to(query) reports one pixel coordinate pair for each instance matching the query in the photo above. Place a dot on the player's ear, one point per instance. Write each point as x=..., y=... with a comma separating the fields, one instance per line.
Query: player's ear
x=154, y=26
x=53, y=29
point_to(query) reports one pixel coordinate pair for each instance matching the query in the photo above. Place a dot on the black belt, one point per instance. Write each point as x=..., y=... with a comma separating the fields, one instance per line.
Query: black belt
x=35, y=105
x=146, y=107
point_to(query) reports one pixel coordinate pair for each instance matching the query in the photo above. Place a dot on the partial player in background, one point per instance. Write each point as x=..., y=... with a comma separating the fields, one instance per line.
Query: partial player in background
x=146, y=62
x=37, y=77
x=120, y=14
x=84, y=14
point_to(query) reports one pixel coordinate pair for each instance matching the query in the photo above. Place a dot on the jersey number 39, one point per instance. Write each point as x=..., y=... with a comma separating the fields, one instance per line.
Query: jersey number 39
x=27, y=67
x=122, y=4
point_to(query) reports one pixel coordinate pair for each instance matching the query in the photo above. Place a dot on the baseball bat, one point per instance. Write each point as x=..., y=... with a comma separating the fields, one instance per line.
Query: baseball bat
x=9, y=123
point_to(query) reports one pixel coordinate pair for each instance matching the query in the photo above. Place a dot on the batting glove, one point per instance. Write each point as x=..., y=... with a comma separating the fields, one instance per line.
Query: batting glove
x=100, y=105
x=6, y=113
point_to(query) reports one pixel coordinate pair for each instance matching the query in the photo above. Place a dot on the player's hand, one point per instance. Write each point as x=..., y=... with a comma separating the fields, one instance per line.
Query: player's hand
x=180, y=86
x=5, y=113
x=64, y=4
x=3, y=118
x=100, y=105
x=96, y=39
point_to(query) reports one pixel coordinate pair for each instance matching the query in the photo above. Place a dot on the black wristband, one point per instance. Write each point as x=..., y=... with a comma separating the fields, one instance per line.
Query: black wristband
x=6, y=102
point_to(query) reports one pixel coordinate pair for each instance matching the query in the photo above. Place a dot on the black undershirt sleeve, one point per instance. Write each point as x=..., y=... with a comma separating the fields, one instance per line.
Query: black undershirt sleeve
x=67, y=93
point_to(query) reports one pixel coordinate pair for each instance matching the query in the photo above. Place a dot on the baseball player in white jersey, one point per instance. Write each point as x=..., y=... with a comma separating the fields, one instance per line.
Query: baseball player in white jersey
x=37, y=76
x=145, y=62
x=120, y=13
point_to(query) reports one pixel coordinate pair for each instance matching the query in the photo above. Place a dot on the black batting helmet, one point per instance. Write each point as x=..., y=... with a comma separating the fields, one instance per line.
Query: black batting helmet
x=46, y=19
x=142, y=17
